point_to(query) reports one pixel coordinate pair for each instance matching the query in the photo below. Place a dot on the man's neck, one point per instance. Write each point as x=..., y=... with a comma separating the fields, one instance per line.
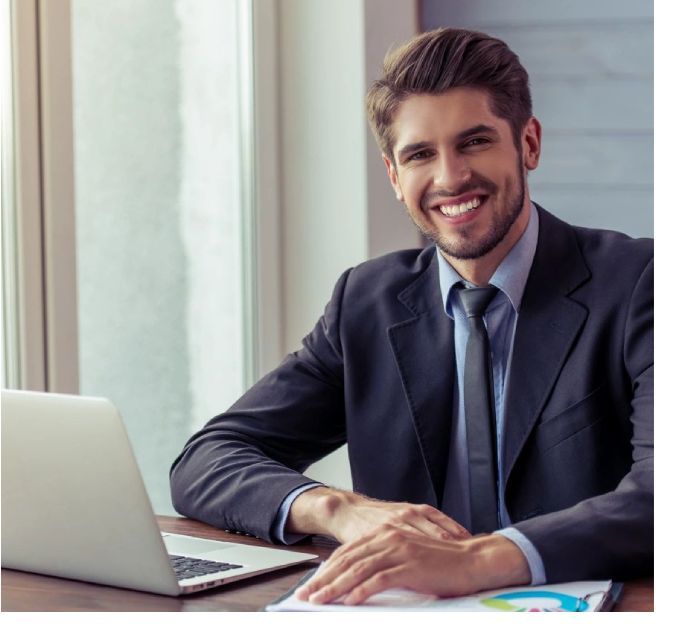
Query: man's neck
x=480, y=271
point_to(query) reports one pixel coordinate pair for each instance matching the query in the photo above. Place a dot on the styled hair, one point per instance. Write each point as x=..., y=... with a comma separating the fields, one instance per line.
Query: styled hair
x=446, y=58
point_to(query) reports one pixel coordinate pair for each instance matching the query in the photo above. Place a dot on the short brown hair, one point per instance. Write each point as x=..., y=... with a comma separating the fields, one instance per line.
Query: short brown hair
x=446, y=58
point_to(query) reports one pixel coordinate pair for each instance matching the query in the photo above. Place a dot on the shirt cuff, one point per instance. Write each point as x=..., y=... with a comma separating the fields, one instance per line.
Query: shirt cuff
x=530, y=553
x=279, y=525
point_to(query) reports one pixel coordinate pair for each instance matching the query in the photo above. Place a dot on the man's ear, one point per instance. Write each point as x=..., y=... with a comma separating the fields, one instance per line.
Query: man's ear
x=531, y=144
x=393, y=178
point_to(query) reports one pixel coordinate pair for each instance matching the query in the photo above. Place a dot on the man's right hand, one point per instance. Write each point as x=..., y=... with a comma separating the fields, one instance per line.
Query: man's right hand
x=347, y=516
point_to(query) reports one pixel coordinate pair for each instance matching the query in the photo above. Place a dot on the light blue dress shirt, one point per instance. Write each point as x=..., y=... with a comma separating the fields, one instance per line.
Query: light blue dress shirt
x=501, y=318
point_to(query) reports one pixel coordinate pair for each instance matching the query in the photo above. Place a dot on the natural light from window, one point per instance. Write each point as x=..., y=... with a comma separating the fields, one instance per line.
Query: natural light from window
x=159, y=208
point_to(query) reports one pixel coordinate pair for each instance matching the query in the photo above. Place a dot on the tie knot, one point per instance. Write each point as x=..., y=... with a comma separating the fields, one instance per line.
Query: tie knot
x=476, y=300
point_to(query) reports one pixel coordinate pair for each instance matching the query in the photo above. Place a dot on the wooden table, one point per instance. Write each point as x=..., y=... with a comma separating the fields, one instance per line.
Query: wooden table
x=39, y=593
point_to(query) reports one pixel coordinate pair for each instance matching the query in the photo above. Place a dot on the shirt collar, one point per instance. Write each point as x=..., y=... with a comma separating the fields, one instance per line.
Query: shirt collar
x=511, y=275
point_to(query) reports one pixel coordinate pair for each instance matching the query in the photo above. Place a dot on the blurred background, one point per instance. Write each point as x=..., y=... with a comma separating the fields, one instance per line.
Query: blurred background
x=183, y=181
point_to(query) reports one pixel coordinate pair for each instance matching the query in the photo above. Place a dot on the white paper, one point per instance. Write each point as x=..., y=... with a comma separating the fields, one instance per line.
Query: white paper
x=549, y=598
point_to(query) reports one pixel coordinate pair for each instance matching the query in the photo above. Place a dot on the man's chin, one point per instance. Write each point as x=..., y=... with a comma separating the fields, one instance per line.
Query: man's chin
x=467, y=247
x=467, y=252
x=471, y=243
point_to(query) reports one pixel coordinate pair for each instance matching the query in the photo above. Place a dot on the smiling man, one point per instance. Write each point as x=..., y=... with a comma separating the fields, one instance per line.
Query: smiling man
x=495, y=389
x=464, y=185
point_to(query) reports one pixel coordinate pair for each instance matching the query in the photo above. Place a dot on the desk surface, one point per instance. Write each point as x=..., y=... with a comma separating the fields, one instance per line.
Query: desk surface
x=30, y=592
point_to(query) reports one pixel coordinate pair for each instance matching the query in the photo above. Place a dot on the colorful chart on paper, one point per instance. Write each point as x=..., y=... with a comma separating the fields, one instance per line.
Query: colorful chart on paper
x=535, y=601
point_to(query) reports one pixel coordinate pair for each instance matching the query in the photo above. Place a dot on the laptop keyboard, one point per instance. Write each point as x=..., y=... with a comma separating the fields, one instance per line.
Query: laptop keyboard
x=189, y=567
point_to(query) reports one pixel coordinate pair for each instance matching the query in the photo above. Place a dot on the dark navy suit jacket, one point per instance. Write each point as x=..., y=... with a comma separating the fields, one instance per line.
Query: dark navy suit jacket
x=378, y=372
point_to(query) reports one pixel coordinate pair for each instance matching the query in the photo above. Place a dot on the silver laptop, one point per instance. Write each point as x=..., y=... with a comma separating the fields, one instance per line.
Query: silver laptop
x=74, y=505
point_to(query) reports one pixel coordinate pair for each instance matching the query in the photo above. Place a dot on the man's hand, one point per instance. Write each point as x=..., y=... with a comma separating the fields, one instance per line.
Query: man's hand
x=347, y=517
x=392, y=557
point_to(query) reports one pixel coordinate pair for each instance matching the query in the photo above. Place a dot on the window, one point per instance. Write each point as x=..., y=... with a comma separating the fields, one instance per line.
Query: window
x=161, y=216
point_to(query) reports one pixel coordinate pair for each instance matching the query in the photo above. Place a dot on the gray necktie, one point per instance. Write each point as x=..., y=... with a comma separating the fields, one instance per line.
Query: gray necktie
x=479, y=410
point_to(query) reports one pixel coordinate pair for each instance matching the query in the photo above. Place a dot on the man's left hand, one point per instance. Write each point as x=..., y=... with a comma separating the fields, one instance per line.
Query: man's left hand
x=391, y=557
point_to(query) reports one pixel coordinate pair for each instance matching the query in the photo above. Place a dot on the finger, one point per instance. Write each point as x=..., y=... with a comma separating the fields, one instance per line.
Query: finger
x=449, y=525
x=337, y=564
x=343, y=558
x=434, y=523
x=421, y=525
x=384, y=580
x=332, y=567
x=356, y=574
x=441, y=524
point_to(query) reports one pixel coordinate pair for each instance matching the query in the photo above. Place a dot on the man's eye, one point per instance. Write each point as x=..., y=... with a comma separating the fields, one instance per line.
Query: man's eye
x=476, y=141
x=419, y=155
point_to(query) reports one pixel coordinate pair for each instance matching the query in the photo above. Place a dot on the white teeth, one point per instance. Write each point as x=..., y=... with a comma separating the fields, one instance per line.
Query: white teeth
x=456, y=210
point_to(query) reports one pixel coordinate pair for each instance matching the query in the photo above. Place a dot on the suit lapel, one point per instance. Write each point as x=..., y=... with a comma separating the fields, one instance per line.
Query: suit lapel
x=548, y=324
x=424, y=351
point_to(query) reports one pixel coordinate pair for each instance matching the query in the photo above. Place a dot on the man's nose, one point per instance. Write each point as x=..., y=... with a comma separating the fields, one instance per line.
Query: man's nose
x=452, y=171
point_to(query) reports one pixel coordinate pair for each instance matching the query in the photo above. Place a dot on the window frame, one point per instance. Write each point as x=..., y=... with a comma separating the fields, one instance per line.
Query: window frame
x=30, y=346
x=46, y=270
x=10, y=318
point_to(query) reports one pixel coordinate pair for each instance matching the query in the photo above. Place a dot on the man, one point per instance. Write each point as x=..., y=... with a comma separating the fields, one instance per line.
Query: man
x=498, y=384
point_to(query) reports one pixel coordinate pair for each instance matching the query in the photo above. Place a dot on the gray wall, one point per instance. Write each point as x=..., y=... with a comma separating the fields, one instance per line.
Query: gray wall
x=591, y=67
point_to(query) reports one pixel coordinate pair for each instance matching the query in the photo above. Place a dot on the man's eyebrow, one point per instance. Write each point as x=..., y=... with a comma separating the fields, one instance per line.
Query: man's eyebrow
x=478, y=129
x=482, y=128
x=412, y=148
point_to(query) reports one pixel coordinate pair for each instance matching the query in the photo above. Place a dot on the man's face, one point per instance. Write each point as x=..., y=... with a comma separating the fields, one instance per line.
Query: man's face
x=459, y=172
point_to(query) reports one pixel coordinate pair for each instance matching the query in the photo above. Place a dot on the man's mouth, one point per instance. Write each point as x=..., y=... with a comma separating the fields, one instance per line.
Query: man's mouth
x=457, y=210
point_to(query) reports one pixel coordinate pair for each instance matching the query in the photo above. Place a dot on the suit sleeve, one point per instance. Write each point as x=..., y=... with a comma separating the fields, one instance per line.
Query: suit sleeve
x=612, y=536
x=236, y=471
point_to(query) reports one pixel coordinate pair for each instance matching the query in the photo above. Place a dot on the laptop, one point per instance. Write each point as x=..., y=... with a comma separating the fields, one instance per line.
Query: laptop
x=74, y=505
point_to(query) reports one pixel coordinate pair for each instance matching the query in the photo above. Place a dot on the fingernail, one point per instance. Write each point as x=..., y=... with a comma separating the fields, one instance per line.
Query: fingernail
x=302, y=592
x=318, y=597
